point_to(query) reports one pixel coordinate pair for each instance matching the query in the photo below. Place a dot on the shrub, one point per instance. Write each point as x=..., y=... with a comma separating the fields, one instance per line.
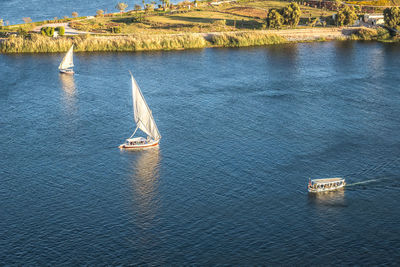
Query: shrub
x=116, y=29
x=47, y=31
x=220, y=22
x=22, y=32
x=60, y=30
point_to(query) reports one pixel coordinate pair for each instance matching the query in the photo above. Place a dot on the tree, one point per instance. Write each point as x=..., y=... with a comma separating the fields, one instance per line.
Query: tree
x=121, y=6
x=291, y=14
x=138, y=7
x=391, y=17
x=27, y=20
x=100, y=13
x=338, y=3
x=274, y=19
x=1, y=23
x=74, y=14
x=149, y=7
x=346, y=16
x=144, y=4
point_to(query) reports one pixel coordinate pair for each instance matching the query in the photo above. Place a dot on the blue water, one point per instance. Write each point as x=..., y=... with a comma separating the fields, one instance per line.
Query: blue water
x=243, y=130
x=39, y=10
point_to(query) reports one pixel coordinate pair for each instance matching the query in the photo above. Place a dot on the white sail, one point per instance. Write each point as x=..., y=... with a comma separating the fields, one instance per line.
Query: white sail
x=142, y=114
x=68, y=60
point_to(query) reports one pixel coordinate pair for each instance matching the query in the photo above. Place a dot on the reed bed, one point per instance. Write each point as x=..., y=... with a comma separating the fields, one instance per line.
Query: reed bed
x=36, y=43
x=366, y=34
x=246, y=39
x=41, y=44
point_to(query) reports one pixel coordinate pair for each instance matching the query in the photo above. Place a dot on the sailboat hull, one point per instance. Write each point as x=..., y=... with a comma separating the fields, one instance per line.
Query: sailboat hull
x=67, y=71
x=150, y=144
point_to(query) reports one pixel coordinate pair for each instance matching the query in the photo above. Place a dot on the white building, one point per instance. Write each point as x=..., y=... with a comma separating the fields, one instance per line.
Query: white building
x=374, y=19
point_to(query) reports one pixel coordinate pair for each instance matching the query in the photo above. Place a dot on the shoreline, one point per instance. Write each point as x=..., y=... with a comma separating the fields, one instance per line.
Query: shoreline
x=36, y=43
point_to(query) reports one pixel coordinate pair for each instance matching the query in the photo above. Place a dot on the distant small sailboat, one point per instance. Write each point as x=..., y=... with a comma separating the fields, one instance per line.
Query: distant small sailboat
x=144, y=121
x=68, y=62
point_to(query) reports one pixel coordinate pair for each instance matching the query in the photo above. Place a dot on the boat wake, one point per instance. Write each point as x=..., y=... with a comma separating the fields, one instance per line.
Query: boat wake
x=363, y=182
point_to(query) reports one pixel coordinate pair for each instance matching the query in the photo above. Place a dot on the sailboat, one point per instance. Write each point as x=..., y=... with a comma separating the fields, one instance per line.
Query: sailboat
x=144, y=121
x=68, y=62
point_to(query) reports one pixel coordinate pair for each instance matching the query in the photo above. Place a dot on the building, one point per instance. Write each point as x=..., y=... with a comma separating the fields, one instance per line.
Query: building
x=374, y=19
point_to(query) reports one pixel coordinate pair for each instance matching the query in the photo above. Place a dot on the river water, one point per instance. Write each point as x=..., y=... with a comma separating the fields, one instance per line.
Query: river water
x=38, y=10
x=243, y=130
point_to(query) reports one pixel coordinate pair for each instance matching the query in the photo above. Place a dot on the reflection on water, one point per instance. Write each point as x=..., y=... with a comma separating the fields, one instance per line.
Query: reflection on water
x=146, y=170
x=145, y=181
x=69, y=89
x=328, y=199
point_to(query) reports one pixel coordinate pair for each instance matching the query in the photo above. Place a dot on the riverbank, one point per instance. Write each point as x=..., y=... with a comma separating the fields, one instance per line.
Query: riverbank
x=35, y=43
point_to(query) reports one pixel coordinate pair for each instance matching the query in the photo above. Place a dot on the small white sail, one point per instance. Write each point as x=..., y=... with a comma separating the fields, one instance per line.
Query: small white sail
x=68, y=60
x=142, y=113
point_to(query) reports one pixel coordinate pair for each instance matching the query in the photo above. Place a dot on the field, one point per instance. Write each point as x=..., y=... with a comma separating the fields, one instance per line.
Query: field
x=234, y=16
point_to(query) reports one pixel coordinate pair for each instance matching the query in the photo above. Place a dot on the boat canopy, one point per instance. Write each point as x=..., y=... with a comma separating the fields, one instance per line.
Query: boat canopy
x=136, y=139
x=327, y=180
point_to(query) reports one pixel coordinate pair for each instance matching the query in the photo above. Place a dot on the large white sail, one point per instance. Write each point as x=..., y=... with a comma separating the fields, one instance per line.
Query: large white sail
x=143, y=117
x=68, y=60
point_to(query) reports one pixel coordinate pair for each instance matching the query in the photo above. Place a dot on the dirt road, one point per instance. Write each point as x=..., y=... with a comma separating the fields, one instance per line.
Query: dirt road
x=68, y=29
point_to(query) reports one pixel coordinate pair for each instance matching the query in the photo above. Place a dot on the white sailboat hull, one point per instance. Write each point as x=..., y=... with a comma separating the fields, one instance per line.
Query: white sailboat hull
x=67, y=71
x=140, y=145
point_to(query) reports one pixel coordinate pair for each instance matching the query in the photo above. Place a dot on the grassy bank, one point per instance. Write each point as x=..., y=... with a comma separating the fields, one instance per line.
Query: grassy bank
x=381, y=35
x=246, y=39
x=36, y=43
x=41, y=44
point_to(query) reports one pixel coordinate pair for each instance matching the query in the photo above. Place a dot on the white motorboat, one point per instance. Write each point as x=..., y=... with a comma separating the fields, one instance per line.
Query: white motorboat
x=325, y=184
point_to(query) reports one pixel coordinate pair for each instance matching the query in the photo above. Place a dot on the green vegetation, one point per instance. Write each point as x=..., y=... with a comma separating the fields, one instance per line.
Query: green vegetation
x=40, y=44
x=392, y=17
x=47, y=31
x=291, y=14
x=366, y=34
x=121, y=6
x=60, y=30
x=246, y=39
x=274, y=19
x=346, y=16
x=233, y=24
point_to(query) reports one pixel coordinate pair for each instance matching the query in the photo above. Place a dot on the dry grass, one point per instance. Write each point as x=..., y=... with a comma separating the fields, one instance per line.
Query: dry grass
x=41, y=44
x=246, y=39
